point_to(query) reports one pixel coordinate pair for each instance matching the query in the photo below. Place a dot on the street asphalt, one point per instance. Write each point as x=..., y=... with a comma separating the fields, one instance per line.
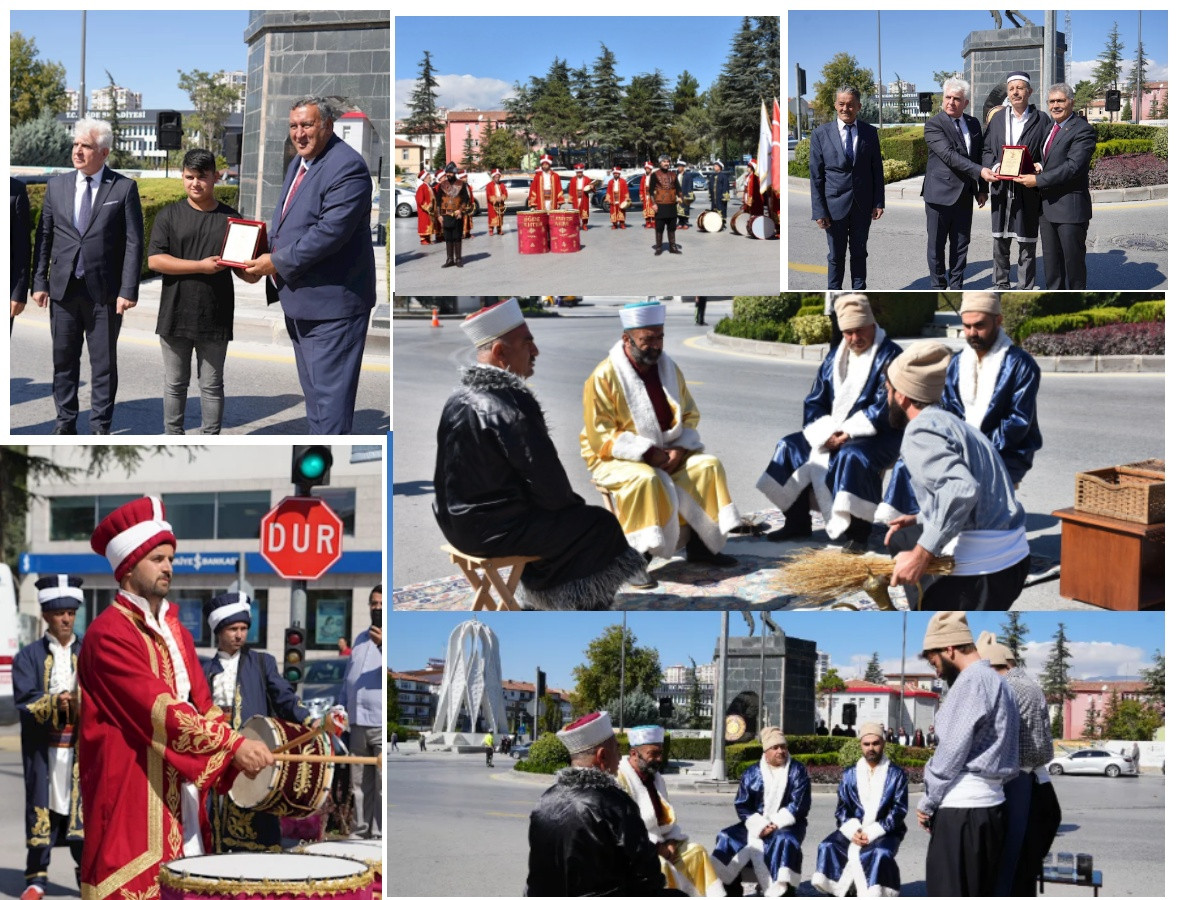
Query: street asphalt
x=609, y=262
x=747, y=402
x=457, y=828
x=1126, y=242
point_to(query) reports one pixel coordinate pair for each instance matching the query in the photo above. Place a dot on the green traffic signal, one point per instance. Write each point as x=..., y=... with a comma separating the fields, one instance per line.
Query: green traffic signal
x=313, y=465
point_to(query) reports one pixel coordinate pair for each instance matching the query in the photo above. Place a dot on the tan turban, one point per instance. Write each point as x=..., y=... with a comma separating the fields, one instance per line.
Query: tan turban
x=948, y=629
x=919, y=373
x=980, y=302
x=993, y=651
x=772, y=736
x=870, y=728
x=853, y=311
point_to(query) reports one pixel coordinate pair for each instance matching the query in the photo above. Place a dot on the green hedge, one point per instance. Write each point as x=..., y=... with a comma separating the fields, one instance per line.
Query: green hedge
x=155, y=194
x=1017, y=306
x=771, y=308
x=895, y=170
x=1115, y=131
x=1060, y=324
x=688, y=747
x=547, y=755
x=819, y=750
x=778, y=332
x=1160, y=143
x=811, y=327
x=906, y=148
x=798, y=167
x=1117, y=147
x=904, y=313
x=1147, y=311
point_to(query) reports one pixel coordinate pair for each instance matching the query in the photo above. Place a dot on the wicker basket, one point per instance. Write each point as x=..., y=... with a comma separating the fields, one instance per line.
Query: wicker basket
x=1134, y=492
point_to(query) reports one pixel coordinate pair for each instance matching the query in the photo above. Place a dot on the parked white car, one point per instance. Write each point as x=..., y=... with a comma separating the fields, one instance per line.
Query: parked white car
x=1092, y=762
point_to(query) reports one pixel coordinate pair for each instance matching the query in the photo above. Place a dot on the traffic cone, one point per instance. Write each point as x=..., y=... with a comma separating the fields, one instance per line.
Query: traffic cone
x=435, y=323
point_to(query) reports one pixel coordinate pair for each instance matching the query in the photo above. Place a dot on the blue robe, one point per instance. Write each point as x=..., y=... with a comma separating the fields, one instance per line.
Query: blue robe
x=852, y=485
x=777, y=865
x=879, y=876
x=261, y=691
x=1010, y=423
x=42, y=727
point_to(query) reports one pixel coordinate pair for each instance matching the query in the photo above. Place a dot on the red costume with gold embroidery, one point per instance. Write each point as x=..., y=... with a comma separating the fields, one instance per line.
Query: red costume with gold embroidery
x=425, y=217
x=618, y=194
x=541, y=198
x=140, y=745
x=496, y=193
x=581, y=197
x=752, y=201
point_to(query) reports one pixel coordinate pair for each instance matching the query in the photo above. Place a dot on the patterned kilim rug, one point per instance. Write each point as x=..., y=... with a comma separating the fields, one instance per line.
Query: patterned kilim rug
x=689, y=586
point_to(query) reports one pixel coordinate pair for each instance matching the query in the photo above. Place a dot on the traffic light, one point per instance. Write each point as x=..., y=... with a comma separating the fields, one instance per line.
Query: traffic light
x=310, y=467
x=541, y=684
x=293, y=655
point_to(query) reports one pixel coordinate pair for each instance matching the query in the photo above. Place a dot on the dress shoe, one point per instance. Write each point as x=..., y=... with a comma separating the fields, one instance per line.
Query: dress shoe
x=791, y=531
x=101, y=429
x=675, y=249
x=658, y=250
x=708, y=558
x=65, y=429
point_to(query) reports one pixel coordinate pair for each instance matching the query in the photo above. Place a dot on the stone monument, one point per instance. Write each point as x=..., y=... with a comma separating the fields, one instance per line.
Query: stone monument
x=785, y=668
x=989, y=55
x=341, y=54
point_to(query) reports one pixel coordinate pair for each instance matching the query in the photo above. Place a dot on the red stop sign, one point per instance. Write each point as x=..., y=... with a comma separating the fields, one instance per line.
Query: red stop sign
x=301, y=537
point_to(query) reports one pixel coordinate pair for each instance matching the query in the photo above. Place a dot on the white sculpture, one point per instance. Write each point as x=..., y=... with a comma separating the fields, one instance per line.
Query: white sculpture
x=472, y=682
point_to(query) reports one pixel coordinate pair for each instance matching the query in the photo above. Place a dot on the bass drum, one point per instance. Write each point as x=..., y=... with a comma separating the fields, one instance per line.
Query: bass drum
x=761, y=227
x=277, y=876
x=711, y=221
x=737, y=223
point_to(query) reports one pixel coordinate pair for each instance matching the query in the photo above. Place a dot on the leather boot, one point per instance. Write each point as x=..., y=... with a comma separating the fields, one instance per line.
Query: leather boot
x=797, y=520
x=458, y=254
x=449, y=255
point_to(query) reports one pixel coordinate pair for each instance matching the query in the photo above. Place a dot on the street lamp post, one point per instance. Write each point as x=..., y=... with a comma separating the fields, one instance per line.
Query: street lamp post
x=718, y=719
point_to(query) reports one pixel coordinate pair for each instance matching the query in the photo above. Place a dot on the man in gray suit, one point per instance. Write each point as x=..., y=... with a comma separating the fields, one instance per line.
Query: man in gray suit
x=845, y=167
x=88, y=256
x=1062, y=180
x=954, y=175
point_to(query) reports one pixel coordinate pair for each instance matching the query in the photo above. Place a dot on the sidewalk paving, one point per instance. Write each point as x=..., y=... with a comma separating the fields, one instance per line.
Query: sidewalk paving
x=910, y=189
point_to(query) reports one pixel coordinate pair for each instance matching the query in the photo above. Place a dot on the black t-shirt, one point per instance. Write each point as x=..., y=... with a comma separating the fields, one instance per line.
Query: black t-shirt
x=194, y=306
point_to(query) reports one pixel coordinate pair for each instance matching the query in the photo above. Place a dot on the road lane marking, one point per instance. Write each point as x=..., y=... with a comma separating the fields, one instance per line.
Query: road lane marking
x=811, y=268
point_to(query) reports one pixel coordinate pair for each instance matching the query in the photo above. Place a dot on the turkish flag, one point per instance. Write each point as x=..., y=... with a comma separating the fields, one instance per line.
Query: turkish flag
x=775, y=165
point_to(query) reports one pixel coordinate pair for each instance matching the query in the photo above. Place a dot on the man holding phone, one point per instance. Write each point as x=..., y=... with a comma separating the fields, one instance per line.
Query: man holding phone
x=362, y=696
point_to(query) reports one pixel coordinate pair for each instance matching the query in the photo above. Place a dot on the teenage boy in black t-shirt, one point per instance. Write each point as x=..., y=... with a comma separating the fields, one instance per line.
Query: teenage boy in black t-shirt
x=195, y=316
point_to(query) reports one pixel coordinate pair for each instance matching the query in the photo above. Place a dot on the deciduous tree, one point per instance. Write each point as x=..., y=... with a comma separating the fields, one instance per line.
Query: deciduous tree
x=35, y=86
x=598, y=681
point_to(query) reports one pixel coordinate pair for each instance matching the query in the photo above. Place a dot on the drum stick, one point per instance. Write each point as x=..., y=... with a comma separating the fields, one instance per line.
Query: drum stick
x=351, y=760
x=297, y=741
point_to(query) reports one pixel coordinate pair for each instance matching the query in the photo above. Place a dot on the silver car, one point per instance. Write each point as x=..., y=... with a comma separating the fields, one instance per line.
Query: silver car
x=1092, y=762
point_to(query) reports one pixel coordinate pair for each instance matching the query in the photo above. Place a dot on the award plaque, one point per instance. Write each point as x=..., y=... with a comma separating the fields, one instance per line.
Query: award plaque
x=244, y=239
x=1015, y=161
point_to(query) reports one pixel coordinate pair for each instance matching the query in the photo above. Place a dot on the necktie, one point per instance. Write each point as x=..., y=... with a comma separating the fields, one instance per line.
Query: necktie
x=1053, y=133
x=85, y=216
x=850, y=144
x=295, y=184
x=962, y=126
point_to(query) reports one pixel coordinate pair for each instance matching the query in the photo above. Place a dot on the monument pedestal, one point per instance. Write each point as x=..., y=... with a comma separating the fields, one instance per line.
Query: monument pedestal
x=988, y=57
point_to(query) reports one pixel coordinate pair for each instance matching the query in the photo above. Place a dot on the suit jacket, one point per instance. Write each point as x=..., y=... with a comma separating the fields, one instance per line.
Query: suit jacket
x=18, y=234
x=836, y=185
x=322, y=244
x=111, y=244
x=1063, y=182
x=951, y=172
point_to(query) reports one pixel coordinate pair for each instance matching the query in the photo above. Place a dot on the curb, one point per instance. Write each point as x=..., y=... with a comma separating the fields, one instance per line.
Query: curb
x=910, y=189
x=1062, y=364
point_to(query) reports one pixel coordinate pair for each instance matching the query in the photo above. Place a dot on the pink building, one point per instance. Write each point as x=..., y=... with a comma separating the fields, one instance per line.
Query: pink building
x=1095, y=694
x=473, y=121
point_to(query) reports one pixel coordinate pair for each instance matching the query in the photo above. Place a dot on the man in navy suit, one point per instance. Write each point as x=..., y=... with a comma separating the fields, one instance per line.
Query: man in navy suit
x=845, y=168
x=321, y=264
x=18, y=256
x=88, y=256
x=1062, y=180
x=954, y=175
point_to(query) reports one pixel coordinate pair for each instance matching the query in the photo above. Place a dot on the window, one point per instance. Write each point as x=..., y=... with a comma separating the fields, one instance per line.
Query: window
x=191, y=617
x=240, y=512
x=341, y=501
x=191, y=515
x=72, y=518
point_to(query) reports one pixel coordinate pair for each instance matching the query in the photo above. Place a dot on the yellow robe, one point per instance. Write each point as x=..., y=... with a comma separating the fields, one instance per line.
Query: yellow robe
x=619, y=426
x=692, y=871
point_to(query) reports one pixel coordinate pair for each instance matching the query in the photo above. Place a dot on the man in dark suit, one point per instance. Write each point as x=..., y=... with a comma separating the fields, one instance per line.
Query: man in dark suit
x=718, y=189
x=18, y=249
x=954, y=175
x=845, y=168
x=1062, y=180
x=687, y=184
x=88, y=257
x=321, y=264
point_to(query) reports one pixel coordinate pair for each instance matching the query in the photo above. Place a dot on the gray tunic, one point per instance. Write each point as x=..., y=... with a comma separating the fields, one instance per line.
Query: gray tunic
x=958, y=478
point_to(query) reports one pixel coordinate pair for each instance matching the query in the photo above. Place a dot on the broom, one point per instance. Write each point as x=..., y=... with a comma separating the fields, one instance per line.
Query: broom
x=826, y=574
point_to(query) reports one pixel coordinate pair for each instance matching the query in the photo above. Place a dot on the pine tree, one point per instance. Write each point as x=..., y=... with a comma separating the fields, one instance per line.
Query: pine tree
x=749, y=77
x=581, y=90
x=470, y=155
x=1013, y=635
x=1132, y=82
x=423, y=115
x=830, y=684
x=1156, y=680
x=1091, y=723
x=605, y=126
x=1107, y=74
x=520, y=113
x=647, y=114
x=693, y=713
x=439, y=157
x=874, y=673
x=1056, y=678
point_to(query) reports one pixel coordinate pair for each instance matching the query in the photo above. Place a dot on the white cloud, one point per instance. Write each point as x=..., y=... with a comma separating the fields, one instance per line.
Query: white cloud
x=1082, y=69
x=1088, y=659
x=458, y=92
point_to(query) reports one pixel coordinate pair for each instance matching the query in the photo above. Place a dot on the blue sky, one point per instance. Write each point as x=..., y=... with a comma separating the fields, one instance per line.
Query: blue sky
x=468, y=75
x=1103, y=643
x=916, y=43
x=141, y=49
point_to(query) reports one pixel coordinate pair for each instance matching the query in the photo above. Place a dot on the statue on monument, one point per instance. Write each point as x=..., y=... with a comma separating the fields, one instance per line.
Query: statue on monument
x=1013, y=15
x=768, y=623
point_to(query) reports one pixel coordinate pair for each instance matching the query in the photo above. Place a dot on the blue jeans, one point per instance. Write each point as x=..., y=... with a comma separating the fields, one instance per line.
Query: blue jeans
x=177, y=375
